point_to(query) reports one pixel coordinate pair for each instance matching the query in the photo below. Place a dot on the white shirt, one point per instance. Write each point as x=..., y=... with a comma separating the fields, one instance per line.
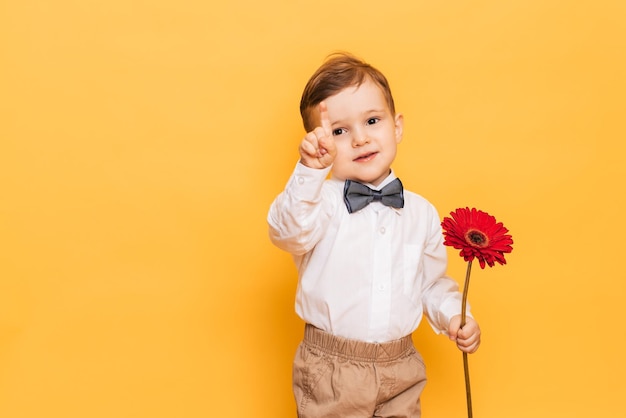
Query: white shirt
x=369, y=275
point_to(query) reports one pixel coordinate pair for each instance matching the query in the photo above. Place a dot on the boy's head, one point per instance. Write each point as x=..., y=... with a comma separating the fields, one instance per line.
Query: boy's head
x=359, y=117
x=340, y=71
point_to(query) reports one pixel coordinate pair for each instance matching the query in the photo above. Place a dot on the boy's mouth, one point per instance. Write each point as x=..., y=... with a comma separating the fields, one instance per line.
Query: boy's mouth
x=365, y=157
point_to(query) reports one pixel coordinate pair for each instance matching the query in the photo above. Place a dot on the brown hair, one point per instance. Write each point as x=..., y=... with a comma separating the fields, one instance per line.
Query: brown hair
x=340, y=70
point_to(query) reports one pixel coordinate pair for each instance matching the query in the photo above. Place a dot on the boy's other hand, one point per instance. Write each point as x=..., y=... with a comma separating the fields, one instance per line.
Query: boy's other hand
x=317, y=149
x=468, y=337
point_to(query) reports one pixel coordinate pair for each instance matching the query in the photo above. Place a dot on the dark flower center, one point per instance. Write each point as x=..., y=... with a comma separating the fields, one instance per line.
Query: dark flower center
x=476, y=238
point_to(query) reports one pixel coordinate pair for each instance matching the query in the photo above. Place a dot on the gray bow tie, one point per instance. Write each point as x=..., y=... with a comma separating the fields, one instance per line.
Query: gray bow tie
x=357, y=195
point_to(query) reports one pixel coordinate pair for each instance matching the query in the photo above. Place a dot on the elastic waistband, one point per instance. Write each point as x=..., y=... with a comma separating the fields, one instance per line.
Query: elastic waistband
x=356, y=350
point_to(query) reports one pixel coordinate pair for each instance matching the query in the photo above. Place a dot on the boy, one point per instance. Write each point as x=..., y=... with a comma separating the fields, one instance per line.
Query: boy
x=370, y=255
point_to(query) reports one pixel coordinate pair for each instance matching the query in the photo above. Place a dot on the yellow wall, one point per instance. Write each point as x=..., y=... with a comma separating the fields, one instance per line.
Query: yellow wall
x=143, y=141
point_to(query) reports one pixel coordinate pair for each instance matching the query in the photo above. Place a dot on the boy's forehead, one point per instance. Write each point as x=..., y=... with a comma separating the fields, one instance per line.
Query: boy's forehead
x=364, y=97
x=366, y=85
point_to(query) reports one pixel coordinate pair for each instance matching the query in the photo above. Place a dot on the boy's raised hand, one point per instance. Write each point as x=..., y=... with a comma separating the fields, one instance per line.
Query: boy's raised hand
x=317, y=149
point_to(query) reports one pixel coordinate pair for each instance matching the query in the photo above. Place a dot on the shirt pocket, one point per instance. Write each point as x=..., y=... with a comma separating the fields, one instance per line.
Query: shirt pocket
x=412, y=271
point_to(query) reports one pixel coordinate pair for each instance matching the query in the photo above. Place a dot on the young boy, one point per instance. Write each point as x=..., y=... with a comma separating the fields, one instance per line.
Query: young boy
x=370, y=255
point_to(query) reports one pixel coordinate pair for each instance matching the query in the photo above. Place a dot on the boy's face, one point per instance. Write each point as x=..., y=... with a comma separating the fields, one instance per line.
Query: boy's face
x=365, y=131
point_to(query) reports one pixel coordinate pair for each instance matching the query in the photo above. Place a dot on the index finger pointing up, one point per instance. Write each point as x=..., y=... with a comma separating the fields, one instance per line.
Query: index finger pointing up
x=324, y=119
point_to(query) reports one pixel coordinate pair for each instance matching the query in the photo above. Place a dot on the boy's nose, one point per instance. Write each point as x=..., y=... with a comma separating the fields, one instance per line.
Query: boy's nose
x=359, y=138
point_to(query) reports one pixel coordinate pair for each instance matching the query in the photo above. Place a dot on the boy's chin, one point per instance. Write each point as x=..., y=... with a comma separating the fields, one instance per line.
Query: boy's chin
x=366, y=180
x=374, y=179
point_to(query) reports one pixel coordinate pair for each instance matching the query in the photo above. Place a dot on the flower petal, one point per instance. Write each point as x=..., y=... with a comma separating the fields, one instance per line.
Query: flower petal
x=464, y=221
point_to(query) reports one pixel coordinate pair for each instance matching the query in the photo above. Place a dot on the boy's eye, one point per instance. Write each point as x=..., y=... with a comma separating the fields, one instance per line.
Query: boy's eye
x=372, y=121
x=338, y=131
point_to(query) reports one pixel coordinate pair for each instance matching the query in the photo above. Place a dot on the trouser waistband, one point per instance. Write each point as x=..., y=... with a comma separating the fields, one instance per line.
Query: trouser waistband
x=354, y=349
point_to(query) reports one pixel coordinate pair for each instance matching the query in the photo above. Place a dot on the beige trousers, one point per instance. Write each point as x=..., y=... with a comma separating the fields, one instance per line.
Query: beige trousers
x=341, y=378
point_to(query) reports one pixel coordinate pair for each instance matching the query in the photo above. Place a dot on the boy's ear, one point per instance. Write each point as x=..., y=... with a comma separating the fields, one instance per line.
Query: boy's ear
x=399, y=122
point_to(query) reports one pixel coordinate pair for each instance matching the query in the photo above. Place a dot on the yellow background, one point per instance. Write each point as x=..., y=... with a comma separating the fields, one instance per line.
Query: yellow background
x=142, y=143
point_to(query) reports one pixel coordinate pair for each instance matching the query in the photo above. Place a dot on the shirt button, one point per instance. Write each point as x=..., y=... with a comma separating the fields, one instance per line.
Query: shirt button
x=300, y=180
x=382, y=230
x=381, y=287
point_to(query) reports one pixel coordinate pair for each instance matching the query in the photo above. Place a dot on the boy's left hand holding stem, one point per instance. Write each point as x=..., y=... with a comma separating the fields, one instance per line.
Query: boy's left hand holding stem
x=468, y=337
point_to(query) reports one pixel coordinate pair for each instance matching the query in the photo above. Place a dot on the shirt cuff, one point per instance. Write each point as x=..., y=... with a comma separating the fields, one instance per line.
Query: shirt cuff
x=451, y=307
x=306, y=183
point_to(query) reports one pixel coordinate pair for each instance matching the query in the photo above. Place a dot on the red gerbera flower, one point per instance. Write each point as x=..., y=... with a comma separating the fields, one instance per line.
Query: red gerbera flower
x=477, y=235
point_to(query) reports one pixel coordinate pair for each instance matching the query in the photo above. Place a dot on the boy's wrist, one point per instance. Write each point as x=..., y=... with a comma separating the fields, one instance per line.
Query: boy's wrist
x=306, y=182
x=307, y=169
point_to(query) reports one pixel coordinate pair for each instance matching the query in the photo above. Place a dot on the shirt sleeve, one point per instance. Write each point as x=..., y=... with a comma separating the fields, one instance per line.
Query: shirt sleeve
x=441, y=298
x=299, y=215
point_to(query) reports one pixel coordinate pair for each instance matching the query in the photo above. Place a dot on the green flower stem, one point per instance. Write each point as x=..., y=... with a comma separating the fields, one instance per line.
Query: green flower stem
x=468, y=391
x=465, y=290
